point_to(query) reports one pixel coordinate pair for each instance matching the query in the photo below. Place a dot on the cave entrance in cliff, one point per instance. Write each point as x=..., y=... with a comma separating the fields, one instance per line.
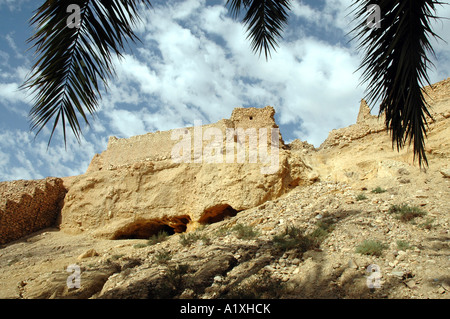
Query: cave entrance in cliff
x=146, y=228
x=217, y=213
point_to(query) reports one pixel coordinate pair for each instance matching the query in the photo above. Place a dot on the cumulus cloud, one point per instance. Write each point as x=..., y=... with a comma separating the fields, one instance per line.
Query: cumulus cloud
x=196, y=63
x=9, y=92
x=22, y=156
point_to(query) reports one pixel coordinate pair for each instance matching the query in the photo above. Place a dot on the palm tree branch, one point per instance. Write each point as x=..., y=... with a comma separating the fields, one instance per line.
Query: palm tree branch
x=395, y=66
x=71, y=62
x=265, y=21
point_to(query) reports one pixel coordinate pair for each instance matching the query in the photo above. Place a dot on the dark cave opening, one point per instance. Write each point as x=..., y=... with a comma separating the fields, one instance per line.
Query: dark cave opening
x=146, y=228
x=217, y=213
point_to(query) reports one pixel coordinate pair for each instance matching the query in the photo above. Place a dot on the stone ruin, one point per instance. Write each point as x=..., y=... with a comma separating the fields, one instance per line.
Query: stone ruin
x=28, y=206
x=135, y=188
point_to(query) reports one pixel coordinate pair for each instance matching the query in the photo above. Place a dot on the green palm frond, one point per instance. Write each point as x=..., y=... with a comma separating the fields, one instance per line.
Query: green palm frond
x=265, y=20
x=395, y=66
x=71, y=62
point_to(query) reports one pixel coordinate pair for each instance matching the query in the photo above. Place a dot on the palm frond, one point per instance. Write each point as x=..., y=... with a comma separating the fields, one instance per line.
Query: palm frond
x=265, y=20
x=71, y=62
x=395, y=66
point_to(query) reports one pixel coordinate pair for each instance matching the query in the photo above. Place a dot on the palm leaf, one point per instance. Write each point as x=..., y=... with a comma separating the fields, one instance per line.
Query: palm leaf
x=71, y=62
x=395, y=66
x=265, y=20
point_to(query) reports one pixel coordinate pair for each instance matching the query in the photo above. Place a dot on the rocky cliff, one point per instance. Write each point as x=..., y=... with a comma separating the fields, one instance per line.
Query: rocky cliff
x=179, y=179
x=191, y=214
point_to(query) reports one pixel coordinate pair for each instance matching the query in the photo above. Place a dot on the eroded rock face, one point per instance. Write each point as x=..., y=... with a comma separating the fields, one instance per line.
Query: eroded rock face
x=363, y=153
x=173, y=181
x=365, y=125
x=28, y=206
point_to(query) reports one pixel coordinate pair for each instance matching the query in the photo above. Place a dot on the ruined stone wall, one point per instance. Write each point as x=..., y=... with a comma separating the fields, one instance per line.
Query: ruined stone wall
x=366, y=124
x=28, y=206
x=157, y=146
x=139, y=186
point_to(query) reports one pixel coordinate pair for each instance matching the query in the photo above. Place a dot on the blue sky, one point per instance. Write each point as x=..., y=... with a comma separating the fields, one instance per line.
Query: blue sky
x=194, y=63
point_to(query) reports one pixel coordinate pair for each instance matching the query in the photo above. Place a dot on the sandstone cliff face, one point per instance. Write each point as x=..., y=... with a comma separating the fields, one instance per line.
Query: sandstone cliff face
x=139, y=186
x=27, y=206
x=364, y=152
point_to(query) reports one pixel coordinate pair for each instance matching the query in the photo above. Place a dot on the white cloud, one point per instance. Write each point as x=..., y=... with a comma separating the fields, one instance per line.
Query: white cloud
x=127, y=123
x=305, y=11
x=9, y=92
x=4, y=159
x=24, y=157
x=4, y=60
x=12, y=44
x=13, y=5
x=13, y=99
x=199, y=65
x=131, y=70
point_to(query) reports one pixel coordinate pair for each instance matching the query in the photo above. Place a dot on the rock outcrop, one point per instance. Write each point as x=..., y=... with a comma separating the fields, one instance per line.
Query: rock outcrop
x=28, y=206
x=366, y=124
x=364, y=152
x=172, y=181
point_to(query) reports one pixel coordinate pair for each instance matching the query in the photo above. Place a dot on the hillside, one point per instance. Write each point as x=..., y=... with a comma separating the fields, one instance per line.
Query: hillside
x=140, y=226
